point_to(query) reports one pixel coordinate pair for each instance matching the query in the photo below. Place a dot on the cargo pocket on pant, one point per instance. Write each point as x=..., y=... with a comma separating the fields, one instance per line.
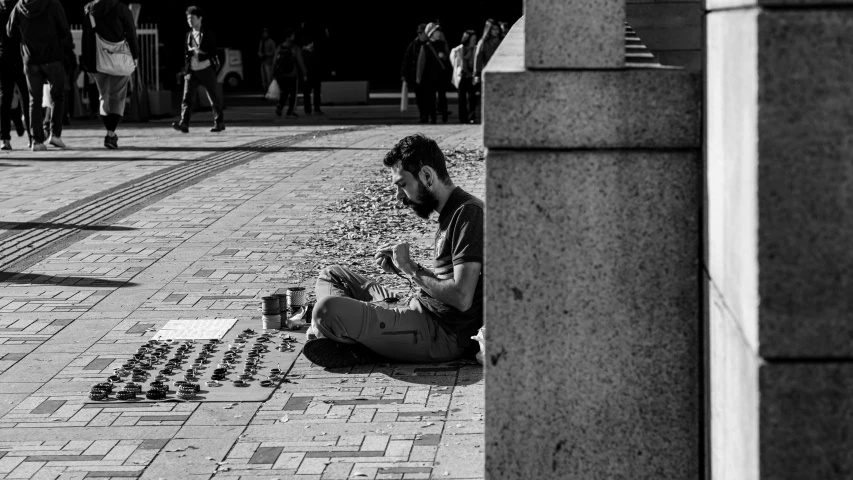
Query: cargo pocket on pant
x=407, y=336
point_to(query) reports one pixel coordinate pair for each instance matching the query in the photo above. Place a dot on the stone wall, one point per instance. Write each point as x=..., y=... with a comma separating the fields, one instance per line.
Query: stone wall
x=779, y=208
x=592, y=252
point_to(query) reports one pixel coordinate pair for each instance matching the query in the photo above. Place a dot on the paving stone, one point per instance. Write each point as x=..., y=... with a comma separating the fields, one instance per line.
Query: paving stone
x=112, y=474
x=154, y=444
x=63, y=458
x=215, y=414
x=26, y=469
x=48, y=407
x=265, y=455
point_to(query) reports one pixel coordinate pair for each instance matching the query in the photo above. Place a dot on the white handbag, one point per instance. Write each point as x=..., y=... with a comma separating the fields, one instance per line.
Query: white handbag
x=112, y=58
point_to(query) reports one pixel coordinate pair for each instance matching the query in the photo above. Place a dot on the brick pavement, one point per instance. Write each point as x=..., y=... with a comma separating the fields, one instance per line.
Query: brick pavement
x=212, y=249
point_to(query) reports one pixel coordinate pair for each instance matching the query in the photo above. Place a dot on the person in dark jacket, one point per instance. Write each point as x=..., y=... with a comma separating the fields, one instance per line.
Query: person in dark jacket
x=289, y=70
x=42, y=27
x=113, y=22
x=409, y=69
x=69, y=63
x=434, y=72
x=199, y=70
x=11, y=74
x=313, y=78
x=492, y=38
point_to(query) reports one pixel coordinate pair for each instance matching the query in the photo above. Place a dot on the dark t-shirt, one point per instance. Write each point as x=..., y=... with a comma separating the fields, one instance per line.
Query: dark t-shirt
x=459, y=240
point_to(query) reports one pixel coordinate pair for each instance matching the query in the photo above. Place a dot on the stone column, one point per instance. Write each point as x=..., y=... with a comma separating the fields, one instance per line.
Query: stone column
x=779, y=219
x=592, y=254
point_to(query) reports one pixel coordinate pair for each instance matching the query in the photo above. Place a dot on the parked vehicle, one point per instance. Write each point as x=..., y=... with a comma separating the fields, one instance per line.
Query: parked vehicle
x=230, y=73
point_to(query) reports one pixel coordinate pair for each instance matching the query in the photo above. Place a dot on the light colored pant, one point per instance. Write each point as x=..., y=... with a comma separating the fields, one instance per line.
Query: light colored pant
x=350, y=310
x=113, y=92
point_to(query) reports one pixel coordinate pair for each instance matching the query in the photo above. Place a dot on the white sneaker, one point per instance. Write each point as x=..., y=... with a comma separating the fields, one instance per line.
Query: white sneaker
x=56, y=142
x=39, y=147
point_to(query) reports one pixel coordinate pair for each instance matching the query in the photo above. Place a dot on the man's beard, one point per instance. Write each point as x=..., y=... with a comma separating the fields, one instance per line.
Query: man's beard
x=425, y=204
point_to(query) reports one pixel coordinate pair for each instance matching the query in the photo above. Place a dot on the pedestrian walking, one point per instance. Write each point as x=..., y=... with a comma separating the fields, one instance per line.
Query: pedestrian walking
x=462, y=58
x=409, y=69
x=313, y=78
x=69, y=64
x=288, y=69
x=199, y=70
x=492, y=37
x=42, y=27
x=108, y=21
x=11, y=76
x=266, y=53
x=434, y=73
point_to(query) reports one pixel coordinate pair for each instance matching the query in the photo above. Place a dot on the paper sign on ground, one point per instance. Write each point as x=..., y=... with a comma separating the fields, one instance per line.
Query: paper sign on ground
x=200, y=329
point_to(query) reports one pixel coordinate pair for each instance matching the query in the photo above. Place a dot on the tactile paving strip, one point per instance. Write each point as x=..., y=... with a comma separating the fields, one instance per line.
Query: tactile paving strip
x=185, y=362
x=16, y=247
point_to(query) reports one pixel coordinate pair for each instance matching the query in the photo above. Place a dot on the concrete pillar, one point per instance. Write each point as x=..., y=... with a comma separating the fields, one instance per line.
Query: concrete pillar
x=592, y=257
x=779, y=221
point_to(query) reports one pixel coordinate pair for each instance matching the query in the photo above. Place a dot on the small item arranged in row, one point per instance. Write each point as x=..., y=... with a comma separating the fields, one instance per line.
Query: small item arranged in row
x=158, y=355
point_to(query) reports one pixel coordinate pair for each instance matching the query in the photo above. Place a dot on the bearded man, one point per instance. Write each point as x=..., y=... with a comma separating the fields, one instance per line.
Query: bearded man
x=353, y=324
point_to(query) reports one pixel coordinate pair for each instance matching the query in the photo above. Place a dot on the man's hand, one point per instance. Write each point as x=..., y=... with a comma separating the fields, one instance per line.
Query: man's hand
x=385, y=263
x=399, y=254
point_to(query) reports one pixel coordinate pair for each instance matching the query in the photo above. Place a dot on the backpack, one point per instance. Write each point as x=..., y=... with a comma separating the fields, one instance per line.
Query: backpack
x=283, y=63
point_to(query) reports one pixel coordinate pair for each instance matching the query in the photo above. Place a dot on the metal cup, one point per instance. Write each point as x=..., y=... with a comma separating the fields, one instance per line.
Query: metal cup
x=295, y=298
x=272, y=322
x=271, y=305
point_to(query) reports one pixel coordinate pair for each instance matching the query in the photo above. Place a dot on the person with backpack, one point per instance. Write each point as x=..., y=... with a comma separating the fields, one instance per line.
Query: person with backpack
x=42, y=27
x=288, y=69
x=199, y=70
x=113, y=22
x=434, y=73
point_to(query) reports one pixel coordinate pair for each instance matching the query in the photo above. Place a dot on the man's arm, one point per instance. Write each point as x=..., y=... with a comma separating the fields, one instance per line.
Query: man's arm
x=11, y=28
x=130, y=31
x=458, y=291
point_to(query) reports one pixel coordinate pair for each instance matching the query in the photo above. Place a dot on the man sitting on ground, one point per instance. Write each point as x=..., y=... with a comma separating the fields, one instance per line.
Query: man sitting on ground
x=438, y=323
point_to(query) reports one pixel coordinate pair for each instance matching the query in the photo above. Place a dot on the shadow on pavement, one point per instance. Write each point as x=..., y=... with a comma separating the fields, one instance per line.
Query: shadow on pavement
x=37, y=279
x=62, y=226
x=245, y=149
x=466, y=373
x=36, y=157
x=12, y=165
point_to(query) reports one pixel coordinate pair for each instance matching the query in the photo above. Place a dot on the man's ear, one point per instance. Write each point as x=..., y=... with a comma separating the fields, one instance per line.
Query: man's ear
x=427, y=176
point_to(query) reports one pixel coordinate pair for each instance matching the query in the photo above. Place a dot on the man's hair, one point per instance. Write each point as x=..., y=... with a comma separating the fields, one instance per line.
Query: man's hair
x=197, y=11
x=415, y=152
x=288, y=32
